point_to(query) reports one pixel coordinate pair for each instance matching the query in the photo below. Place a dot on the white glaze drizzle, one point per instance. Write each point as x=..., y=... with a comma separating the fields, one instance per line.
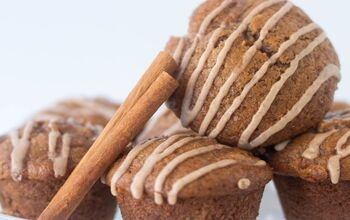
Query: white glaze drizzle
x=224, y=90
x=171, y=166
x=257, y=76
x=127, y=163
x=313, y=150
x=20, y=149
x=202, y=31
x=276, y=88
x=189, y=178
x=328, y=72
x=179, y=49
x=177, y=128
x=60, y=161
x=260, y=163
x=282, y=146
x=187, y=114
x=162, y=151
x=244, y=183
x=334, y=161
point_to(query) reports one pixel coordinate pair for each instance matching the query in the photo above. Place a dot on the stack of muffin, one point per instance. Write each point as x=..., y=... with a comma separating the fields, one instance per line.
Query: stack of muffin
x=257, y=80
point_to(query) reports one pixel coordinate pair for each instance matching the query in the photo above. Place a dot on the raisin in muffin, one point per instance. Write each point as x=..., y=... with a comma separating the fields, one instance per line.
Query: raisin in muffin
x=36, y=160
x=312, y=172
x=253, y=72
x=188, y=177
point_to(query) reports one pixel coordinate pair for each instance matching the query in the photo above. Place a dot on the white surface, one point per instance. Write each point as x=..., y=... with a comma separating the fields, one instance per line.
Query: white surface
x=55, y=49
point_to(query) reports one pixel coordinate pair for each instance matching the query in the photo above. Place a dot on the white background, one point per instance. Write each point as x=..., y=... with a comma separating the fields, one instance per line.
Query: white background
x=50, y=50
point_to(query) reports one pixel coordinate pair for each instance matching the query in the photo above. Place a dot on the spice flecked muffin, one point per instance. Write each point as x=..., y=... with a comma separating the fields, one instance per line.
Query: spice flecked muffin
x=253, y=72
x=188, y=177
x=312, y=171
x=36, y=160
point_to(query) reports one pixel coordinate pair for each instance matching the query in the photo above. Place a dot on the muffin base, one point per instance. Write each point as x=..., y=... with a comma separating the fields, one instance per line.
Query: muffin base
x=228, y=207
x=302, y=200
x=28, y=198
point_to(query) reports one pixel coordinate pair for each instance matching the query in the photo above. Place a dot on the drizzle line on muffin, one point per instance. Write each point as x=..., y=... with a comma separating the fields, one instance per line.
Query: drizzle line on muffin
x=21, y=145
x=188, y=114
x=165, y=149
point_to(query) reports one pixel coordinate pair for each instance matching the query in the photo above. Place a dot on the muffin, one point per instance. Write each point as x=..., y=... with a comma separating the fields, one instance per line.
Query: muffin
x=95, y=111
x=36, y=160
x=253, y=72
x=166, y=124
x=337, y=106
x=312, y=172
x=188, y=177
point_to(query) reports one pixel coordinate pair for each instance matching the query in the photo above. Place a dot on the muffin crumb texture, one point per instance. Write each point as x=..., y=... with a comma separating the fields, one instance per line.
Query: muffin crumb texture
x=253, y=73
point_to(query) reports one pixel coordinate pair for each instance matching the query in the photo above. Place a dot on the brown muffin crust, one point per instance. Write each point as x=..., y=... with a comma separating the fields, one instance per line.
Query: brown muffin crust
x=37, y=164
x=232, y=189
x=302, y=200
x=217, y=183
x=291, y=92
x=310, y=155
x=26, y=192
x=85, y=110
x=166, y=124
x=227, y=207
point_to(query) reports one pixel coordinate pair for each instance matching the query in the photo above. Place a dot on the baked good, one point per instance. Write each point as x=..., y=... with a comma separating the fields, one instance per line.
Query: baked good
x=96, y=111
x=35, y=162
x=253, y=72
x=188, y=177
x=166, y=124
x=312, y=172
x=337, y=106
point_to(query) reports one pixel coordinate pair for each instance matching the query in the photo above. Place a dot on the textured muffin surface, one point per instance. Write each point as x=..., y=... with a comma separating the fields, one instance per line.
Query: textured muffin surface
x=29, y=181
x=188, y=177
x=321, y=155
x=246, y=73
x=219, y=182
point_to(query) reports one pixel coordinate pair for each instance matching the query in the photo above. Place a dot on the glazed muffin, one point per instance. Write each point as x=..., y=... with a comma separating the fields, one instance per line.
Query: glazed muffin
x=95, y=111
x=166, y=124
x=36, y=160
x=188, y=177
x=253, y=72
x=312, y=173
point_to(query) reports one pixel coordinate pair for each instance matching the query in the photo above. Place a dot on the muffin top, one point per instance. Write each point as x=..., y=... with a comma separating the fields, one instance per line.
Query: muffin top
x=166, y=124
x=187, y=166
x=44, y=150
x=253, y=73
x=85, y=110
x=319, y=155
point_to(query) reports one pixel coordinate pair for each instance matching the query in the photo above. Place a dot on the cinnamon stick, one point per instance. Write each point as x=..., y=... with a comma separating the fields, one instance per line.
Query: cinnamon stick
x=150, y=93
